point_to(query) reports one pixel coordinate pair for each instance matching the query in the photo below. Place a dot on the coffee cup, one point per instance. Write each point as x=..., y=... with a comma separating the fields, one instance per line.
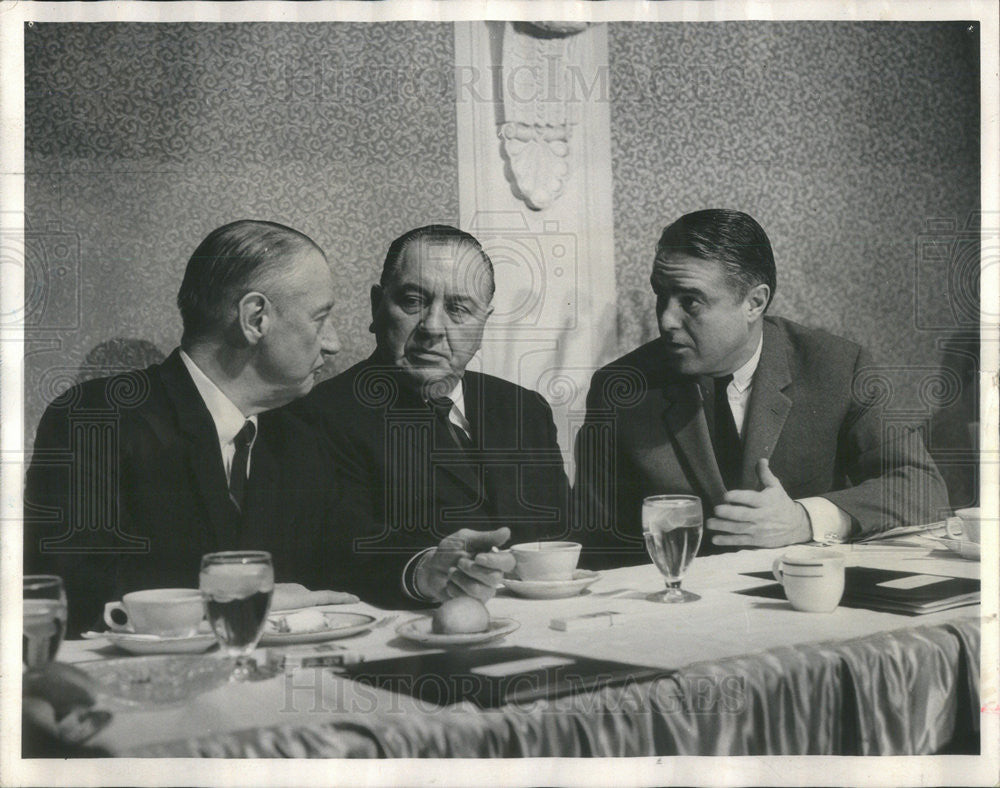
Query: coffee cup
x=168, y=612
x=966, y=524
x=813, y=579
x=546, y=561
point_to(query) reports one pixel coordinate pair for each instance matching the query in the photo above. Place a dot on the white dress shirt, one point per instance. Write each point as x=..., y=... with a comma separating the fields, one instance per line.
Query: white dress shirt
x=829, y=522
x=228, y=419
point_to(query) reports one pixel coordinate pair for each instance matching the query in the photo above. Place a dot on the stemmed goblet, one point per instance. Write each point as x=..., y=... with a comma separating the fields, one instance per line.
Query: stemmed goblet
x=672, y=527
x=44, y=619
x=237, y=587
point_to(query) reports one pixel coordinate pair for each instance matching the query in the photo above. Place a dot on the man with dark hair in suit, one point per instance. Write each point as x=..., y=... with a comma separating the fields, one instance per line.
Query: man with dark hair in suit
x=134, y=477
x=437, y=456
x=770, y=423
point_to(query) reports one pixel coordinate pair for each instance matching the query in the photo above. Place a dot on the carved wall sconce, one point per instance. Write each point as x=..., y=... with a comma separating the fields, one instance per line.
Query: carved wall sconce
x=540, y=107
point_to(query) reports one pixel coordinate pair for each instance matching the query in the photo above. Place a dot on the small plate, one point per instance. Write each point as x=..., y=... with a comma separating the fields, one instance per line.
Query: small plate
x=552, y=589
x=154, y=644
x=970, y=550
x=419, y=631
x=338, y=625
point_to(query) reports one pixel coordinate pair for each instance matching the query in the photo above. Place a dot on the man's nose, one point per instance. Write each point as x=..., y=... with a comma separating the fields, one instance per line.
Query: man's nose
x=330, y=340
x=670, y=317
x=433, y=320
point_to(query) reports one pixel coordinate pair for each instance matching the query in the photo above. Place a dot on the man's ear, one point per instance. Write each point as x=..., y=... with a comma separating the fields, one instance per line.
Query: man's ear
x=254, y=313
x=756, y=300
x=376, y=295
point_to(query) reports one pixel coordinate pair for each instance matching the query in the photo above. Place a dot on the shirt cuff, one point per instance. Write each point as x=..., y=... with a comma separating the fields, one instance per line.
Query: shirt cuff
x=409, y=576
x=830, y=524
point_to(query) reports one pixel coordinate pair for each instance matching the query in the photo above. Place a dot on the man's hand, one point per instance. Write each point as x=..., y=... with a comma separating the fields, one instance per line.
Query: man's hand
x=463, y=564
x=58, y=706
x=768, y=518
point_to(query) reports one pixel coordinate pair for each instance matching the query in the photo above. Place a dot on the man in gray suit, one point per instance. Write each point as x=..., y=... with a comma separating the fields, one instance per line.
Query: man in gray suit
x=767, y=421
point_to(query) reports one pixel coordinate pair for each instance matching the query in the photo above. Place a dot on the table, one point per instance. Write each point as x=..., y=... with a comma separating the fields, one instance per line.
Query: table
x=741, y=675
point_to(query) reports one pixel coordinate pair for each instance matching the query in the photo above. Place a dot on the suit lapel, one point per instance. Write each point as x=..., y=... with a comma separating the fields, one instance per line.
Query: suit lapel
x=204, y=458
x=450, y=466
x=685, y=418
x=769, y=404
x=481, y=413
x=477, y=410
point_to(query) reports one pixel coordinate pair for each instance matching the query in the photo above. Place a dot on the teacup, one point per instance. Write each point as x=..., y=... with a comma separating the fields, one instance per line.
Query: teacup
x=546, y=561
x=967, y=524
x=813, y=579
x=168, y=612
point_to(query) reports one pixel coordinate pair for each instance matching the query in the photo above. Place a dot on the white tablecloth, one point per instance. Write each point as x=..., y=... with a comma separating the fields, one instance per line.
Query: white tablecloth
x=721, y=625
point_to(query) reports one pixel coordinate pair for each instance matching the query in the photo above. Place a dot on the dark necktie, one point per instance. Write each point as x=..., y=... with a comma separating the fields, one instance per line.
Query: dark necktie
x=725, y=436
x=238, y=470
x=442, y=410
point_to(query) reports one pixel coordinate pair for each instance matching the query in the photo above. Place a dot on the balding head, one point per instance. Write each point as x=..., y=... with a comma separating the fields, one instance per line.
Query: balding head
x=233, y=260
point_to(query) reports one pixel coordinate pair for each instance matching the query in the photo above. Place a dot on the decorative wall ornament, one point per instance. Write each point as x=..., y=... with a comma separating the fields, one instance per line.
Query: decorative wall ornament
x=540, y=108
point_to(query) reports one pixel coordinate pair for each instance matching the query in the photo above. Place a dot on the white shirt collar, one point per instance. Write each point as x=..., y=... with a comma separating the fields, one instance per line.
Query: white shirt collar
x=743, y=377
x=228, y=419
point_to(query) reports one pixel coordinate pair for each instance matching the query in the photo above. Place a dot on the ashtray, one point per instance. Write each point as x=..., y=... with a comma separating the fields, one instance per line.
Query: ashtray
x=158, y=680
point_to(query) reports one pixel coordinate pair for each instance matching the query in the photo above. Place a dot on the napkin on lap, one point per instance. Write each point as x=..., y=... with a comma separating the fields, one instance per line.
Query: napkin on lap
x=289, y=596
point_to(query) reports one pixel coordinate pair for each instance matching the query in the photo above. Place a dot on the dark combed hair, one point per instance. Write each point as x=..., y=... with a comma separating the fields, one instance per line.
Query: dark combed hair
x=732, y=238
x=229, y=263
x=435, y=233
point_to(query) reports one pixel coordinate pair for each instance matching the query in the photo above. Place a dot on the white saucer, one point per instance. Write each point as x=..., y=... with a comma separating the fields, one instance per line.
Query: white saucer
x=338, y=625
x=970, y=550
x=552, y=589
x=154, y=644
x=419, y=631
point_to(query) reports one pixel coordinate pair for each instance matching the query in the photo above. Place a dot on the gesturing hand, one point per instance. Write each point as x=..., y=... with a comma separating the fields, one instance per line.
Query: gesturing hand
x=769, y=518
x=463, y=564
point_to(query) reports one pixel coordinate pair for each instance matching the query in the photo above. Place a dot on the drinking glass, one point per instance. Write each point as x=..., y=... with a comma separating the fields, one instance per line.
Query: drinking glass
x=44, y=619
x=672, y=527
x=237, y=587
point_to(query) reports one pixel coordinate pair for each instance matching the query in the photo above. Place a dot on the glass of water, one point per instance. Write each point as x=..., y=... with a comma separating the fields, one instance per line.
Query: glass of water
x=672, y=527
x=237, y=587
x=44, y=619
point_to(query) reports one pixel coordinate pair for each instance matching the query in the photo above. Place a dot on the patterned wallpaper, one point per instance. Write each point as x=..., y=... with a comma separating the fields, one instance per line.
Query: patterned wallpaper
x=843, y=139
x=140, y=139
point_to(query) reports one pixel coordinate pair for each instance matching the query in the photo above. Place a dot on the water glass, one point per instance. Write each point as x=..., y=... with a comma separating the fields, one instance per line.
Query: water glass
x=672, y=528
x=44, y=619
x=236, y=588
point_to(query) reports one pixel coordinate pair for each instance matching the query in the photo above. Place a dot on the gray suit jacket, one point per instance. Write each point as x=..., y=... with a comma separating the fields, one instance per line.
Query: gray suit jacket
x=813, y=412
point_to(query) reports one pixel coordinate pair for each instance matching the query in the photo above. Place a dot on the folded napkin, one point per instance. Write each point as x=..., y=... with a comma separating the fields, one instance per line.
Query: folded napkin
x=299, y=621
x=290, y=596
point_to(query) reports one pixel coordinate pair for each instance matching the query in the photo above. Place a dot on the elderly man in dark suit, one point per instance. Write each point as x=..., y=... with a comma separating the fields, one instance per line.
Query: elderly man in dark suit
x=436, y=458
x=134, y=477
x=770, y=423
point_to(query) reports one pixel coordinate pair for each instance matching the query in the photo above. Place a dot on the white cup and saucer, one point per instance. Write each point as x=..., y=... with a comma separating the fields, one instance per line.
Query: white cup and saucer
x=965, y=532
x=547, y=570
x=158, y=621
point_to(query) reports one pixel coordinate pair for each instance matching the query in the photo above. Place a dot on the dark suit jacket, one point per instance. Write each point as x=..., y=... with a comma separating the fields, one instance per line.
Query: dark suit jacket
x=405, y=485
x=812, y=412
x=126, y=490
